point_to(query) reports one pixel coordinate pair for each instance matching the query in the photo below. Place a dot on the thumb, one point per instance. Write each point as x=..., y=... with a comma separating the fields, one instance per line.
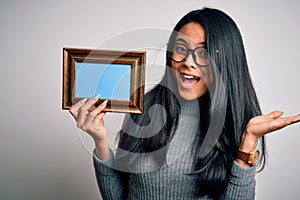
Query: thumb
x=275, y=114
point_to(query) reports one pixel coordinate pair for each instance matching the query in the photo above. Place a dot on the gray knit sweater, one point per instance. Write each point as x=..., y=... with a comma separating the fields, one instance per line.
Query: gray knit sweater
x=176, y=179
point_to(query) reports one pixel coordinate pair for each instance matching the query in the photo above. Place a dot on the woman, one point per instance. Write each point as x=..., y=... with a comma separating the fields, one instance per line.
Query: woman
x=202, y=122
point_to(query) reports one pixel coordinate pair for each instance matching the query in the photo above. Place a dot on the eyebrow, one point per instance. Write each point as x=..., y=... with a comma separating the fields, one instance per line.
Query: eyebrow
x=185, y=42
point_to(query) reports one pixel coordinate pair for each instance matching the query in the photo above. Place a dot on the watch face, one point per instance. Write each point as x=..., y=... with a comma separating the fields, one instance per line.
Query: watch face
x=255, y=157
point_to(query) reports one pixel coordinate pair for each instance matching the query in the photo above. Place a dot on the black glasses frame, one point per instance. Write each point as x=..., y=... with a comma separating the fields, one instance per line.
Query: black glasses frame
x=192, y=51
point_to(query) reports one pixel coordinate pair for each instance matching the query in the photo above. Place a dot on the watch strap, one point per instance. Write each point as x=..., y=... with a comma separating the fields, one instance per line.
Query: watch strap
x=243, y=156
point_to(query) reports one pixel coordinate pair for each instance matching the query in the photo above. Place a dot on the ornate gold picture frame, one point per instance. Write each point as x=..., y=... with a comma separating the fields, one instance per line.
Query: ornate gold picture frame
x=118, y=76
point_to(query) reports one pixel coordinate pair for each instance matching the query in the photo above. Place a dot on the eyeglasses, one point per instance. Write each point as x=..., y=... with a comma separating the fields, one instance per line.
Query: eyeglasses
x=181, y=52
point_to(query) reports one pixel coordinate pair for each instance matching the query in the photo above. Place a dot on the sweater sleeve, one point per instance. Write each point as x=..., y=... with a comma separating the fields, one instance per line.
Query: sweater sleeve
x=109, y=180
x=241, y=183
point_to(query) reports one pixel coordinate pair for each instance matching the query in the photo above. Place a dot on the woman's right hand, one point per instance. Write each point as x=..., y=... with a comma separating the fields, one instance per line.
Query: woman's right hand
x=92, y=122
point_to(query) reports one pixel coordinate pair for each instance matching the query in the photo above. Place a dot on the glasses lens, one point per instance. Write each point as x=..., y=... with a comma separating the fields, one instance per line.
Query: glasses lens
x=179, y=52
x=201, y=56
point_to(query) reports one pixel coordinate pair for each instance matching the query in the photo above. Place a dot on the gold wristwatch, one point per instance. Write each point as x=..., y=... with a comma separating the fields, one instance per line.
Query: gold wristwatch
x=250, y=158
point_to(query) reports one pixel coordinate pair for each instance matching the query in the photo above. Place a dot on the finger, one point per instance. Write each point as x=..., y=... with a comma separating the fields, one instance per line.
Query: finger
x=283, y=122
x=274, y=114
x=90, y=102
x=99, y=109
x=75, y=108
x=99, y=114
x=99, y=119
x=83, y=111
x=90, y=117
x=291, y=119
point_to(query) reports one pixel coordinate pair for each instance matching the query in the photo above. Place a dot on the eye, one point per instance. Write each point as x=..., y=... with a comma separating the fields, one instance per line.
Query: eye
x=180, y=49
x=202, y=53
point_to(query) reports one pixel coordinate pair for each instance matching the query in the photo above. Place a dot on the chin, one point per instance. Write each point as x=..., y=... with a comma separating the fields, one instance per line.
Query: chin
x=189, y=96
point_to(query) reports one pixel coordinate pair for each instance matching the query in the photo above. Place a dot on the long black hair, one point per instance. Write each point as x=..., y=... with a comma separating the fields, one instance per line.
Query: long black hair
x=231, y=93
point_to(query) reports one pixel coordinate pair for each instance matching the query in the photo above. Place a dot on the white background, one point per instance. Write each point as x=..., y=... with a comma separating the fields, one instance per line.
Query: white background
x=44, y=156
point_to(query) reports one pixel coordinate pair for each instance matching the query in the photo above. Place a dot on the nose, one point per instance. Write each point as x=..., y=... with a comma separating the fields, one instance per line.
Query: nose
x=189, y=61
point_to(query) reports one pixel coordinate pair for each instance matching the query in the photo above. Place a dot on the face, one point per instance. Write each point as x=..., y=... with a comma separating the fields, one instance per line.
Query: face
x=192, y=79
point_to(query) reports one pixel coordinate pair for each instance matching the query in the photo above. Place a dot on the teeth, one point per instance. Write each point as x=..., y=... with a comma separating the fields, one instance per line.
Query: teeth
x=188, y=77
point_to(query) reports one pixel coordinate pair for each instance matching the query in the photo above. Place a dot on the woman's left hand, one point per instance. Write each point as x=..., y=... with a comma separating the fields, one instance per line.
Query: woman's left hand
x=261, y=125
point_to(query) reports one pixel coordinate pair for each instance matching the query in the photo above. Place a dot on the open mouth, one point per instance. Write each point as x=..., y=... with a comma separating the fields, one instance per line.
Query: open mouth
x=189, y=81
